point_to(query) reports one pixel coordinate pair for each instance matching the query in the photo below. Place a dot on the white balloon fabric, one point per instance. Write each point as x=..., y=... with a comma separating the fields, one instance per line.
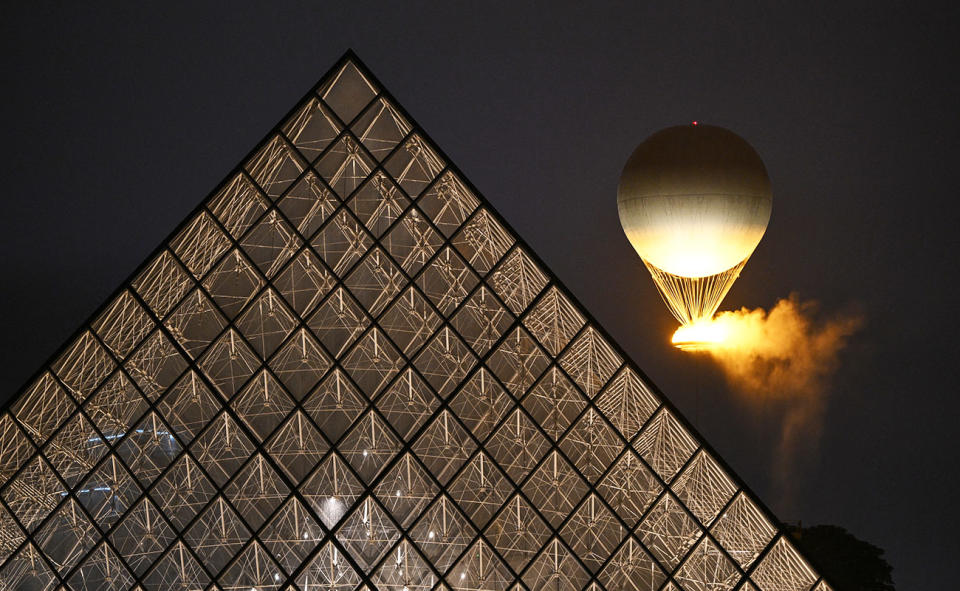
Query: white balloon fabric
x=694, y=200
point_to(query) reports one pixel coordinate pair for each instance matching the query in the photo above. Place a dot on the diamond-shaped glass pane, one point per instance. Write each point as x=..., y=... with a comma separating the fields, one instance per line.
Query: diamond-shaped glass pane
x=123, y=324
x=481, y=320
x=743, y=530
x=373, y=362
x=304, y=282
x=233, y=283
x=555, y=488
x=329, y=570
x=75, y=449
x=414, y=164
x=101, y=570
x=217, y=535
x=270, y=243
x=183, y=491
x=665, y=444
x=629, y=487
x=555, y=568
x=297, y=446
x=668, y=531
x=291, y=534
x=15, y=447
x=591, y=444
x=517, y=533
x=375, y=281
x=407, y=403
x=518, y=361
x=406, y=569
x=554, y=402
x=444, y=446
x=410, y=321
x=256, y=491
x=443, y=533
x=312, y=128
x=195, y=323
x=338, y=321
x=331, y=490
x=66, y=536
x=627, y=402
x=266, y=323
x=381, y=128
x=704, y=487
x=445, y=361
x=369, y=446
x=412, y=241
x=707, y=569
x=480, y=489
x=783, y=569
x=334, y=405
x=447, y=280
x=274, y=167
x=142, y=536
x=481, y=403
x=222, y=448
x=406, y=489
x=518, y=445
x=593, y=532
x=43, y=408
x=344, y=165
x=448, y=202
x=632, y=569
x=238, y=204
x=367, y=533
x=378, y=203
x=108, y=492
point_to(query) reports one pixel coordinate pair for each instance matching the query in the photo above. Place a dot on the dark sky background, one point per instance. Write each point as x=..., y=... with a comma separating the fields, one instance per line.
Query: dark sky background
x=118, y=121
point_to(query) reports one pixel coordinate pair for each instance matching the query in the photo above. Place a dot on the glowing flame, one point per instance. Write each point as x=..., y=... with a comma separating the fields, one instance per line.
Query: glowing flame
x=702, y=335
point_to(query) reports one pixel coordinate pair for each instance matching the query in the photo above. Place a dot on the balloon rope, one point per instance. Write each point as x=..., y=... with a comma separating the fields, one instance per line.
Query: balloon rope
x=690, y=299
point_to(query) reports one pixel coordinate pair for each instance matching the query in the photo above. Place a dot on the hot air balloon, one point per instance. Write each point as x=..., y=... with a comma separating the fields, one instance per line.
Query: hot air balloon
x=694, y=200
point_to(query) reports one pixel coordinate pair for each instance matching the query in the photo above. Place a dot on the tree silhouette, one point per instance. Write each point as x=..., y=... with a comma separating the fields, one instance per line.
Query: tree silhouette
x=847, y=563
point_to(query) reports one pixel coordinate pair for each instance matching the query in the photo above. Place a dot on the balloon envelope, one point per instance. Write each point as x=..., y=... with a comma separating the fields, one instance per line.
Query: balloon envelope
x=694, y=200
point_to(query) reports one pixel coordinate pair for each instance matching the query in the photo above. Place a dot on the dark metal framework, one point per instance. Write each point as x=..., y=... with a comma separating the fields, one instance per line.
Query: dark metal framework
x=345, y=371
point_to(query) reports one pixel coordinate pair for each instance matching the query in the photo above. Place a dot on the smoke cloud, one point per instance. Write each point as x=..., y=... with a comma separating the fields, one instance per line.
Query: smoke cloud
x=782, y=360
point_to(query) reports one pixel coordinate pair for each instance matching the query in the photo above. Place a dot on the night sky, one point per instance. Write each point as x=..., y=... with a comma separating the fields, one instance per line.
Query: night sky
x=118, y=122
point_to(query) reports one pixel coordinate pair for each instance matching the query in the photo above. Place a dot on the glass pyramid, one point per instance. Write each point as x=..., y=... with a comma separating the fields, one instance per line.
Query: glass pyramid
x=344, y=371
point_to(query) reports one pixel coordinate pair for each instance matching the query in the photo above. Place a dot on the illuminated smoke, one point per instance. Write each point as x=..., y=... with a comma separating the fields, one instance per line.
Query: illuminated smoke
x=782, y=359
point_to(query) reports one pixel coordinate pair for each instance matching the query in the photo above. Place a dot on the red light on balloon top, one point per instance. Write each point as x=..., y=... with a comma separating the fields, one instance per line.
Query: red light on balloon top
x=694, y=123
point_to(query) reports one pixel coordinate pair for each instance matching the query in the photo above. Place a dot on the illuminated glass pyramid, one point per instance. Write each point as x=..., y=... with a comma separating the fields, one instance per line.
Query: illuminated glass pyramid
x=344, y=371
